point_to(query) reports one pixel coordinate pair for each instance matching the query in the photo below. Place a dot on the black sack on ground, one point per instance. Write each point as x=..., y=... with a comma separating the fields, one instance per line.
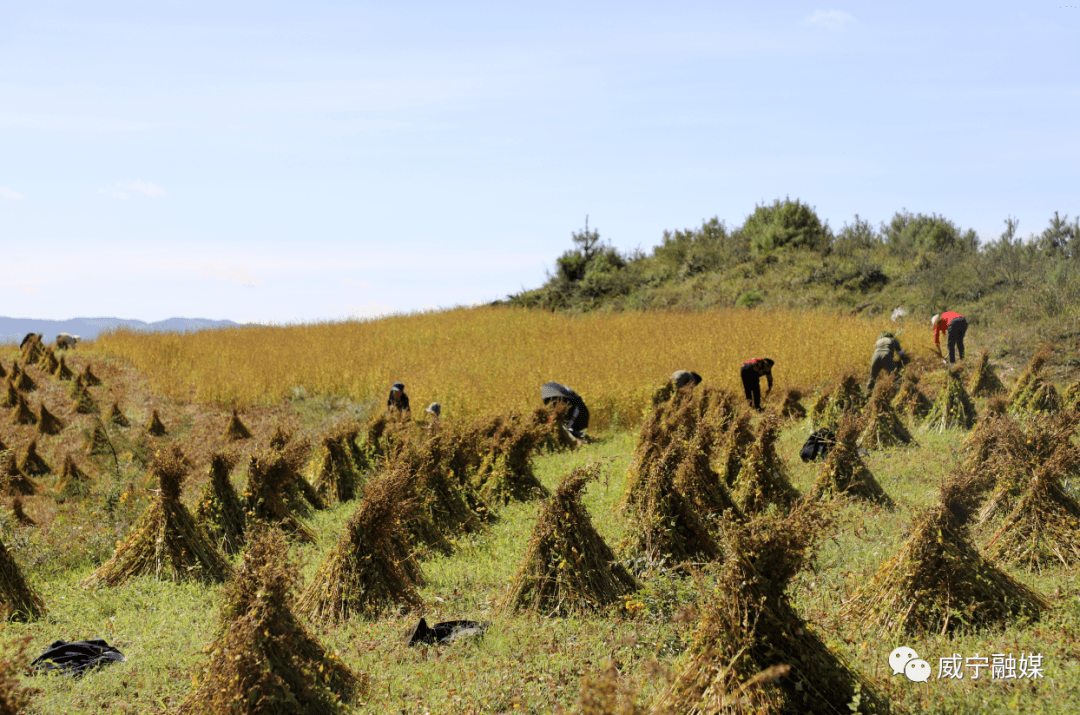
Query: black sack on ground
x=817, y=445
x=445, y=632
x=76, y=658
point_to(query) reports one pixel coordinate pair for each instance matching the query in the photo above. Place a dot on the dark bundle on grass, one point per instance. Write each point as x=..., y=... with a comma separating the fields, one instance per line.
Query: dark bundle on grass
x=336, y=479
x=117, y=417
x=883, y=428
x=793, y=409
x=48, y=363
x=910, y=400
x=165, y=542
x=10, y=396
x=953, y=407
x=262, y=660
x=568, y=568
x=269, y=474
x=1033, y=393
x=21, y=517
x=749, y=626
x=62, y=371
x=98, y=440
x=12, y=479
x=89, y=378
x=548, y=421
x=844, y=471
x=74, y=482
x=363, y=575
x=235, y=430
x=845, y=397
x=85, y=403
x=220, y=513
x=18, y=601
x=984, y=381
x=32, y=349
x=47, y=422
x=279, y=438
x=763, y=479
x=22, y=415
x=664, y=524
x=938, y=582
x=505, y=472
x=31, y=463
x=155, y=427
x=21, y=380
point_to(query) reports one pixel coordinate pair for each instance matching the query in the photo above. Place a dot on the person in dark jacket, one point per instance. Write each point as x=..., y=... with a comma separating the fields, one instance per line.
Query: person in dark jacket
x=751, y=373
x=888, y=356
x=955, y=326
x=398, y=400
x=577, y=415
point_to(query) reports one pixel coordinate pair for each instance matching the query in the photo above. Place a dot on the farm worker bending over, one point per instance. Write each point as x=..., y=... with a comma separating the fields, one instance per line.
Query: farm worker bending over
x=751, y=373
x=955, y=325
x=888, y=356
x=577, y=414
x=398, y=400
x=682, y=378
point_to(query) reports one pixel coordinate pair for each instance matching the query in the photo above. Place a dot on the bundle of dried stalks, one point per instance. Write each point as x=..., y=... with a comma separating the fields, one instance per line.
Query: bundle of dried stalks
x=883, y=428
x=793, y=409
x=85, y=403
x=844, y=471
x=845, y=397
x=89, y=378
x=117, y=417
x=74, y=483
x=15, y=695
x=3, y=372
x=12, y=480
x=18, y=601
x=1043, y=529
x=155, y=427
x=953, y=407
x=297, y=492
x=363, y=575
x=938, y=582
x=996, y=445
x=98, y=440
x=984, y=381
x=62, y=371
x=21, y=380
x=235, y=430
x=910, y=400
x=48, y=363
x=31, y=463
x=548, y=421
x=262, y=660
x=336, y=479
x=568, y=568
x=21, y=517
x=1033, y=393
x=220, y=512
x=22, y=415
x=10, y=396
x=77, y=387
x=735, y=446
x=269, y=473
x=32, y=349
x=47, y=422
x=279, y=438
x=505, y=472
x=763, y=479
x=165, y=542
x=749, y=626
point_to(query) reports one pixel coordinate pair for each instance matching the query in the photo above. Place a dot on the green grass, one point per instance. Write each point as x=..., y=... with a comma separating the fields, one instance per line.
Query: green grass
x=529, y=663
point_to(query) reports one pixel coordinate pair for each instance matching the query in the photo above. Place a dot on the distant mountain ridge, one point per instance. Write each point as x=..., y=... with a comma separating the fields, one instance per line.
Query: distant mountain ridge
x=88, y=328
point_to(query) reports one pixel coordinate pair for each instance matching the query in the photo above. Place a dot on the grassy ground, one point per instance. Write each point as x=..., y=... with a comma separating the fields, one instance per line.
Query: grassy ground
x=535, y=664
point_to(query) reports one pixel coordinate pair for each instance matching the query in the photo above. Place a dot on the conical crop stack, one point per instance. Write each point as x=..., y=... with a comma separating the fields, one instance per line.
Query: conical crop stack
x=32, y=349
x=568, y=568
x=883, y=428
x=22, y=414
x=21, y=517
x=910, y=401
x=47, y=422
x=846, y=397
x=155, y=427
x=505, y=472
x=297, y=492
x=31, y=463
x=548, y=421
x=735, y=446
x=269, y=473
x=1033, y=393
x=74, y=482
x=793, y=409
x=89, y=378
x=984, y=381
x=279, y=438
x=12, y=480
x=18, y=601
x=263, y=661
x=336, y=479
x=749, y=626
x=938, y=582
x=77, y=387
x=363, y=575
x=63, y=372
x=9, y=396
x=21, y=380
x=953, y=408
x=165, y=542
x=220, y=512
x=995, y=447
x=3, y=372
x=85, y=403
x=48, y=363
x=235, y=430
x=116, y=417
x=763, y=479
x=844, y=471
x=98, y=441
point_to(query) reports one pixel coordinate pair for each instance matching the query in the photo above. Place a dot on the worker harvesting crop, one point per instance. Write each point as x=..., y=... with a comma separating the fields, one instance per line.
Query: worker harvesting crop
x=955, y=327
x=751, y=373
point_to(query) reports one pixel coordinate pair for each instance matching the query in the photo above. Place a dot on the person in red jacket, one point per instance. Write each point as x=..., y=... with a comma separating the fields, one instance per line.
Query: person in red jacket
x=954, y=326
x=751, y=373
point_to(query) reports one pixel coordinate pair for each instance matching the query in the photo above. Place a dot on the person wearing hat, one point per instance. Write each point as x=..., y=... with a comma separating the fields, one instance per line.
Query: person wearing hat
x=955, y=327
x=751, y=373
x=398, y=400
x=577, y=414
x=888, y=356
x=682, y=378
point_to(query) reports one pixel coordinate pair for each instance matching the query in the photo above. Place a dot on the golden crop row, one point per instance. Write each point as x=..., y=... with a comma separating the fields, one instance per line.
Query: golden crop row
x=490, y=359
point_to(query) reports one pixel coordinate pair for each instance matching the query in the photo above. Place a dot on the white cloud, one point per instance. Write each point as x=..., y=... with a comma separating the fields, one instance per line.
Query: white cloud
x=125, y=190
x=362, y=284
x=6, y=193
x=834, y=20
x=236, y=274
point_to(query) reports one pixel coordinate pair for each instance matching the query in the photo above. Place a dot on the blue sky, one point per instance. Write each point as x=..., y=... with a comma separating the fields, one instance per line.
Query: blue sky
x=303, y=161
